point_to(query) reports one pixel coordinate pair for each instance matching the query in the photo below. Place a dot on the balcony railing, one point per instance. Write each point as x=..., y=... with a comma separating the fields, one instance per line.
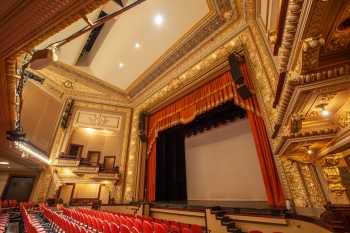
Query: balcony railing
x=83, y=165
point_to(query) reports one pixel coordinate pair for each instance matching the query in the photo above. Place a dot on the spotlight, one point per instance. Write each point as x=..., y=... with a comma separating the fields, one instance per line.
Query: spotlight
x=309, y=151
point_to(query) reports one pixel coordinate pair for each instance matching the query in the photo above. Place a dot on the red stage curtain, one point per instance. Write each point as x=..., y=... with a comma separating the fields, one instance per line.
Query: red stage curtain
x=269, y=172
x=203, y=99
x=183, y=111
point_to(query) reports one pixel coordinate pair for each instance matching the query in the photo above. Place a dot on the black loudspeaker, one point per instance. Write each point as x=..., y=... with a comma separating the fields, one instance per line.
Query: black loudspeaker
x=238, y=78
x=235, y=70
x=142, y=126
x=244, y=92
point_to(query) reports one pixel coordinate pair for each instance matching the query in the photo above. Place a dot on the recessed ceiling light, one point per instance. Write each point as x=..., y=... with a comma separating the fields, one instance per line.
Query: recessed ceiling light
x=121, y=65
x=325, y=113
x=4, y=163
x=158, y=19
x=309, y=151
x=137, y=45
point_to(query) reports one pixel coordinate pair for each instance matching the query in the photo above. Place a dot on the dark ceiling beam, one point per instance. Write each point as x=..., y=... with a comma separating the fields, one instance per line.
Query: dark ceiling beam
x=119, y=2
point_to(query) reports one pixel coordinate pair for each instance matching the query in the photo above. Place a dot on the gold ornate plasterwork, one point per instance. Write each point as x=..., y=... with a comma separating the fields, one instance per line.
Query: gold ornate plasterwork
x=339, y=37
x=221, y=14
x=243, y=41
x=299, y=83
x=344, y=118
x=61, y=81
x=313, y=186
x=63, y=135
x=305, y=188
x=331, y=172
x=86, y=119
x=310, y=54
x=289, y=32
x=295, y=183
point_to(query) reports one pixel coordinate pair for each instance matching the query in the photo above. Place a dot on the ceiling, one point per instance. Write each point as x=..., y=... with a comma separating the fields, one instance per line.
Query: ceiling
x=114, y=59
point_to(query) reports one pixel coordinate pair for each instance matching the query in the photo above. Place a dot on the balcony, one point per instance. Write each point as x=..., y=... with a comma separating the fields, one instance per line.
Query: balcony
x=81, y=166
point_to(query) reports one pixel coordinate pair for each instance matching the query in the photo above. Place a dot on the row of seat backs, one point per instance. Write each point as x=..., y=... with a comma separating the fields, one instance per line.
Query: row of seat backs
x=139, y=224
x=8, y=203
x=29, y=226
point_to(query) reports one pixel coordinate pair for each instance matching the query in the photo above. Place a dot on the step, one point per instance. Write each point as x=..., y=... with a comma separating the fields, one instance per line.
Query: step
x=217, y=211
x=226, y=222
x=228, y=225
x=234, y=230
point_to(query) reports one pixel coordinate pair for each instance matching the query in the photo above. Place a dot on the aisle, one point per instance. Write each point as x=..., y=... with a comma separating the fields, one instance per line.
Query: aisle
x=13, y=228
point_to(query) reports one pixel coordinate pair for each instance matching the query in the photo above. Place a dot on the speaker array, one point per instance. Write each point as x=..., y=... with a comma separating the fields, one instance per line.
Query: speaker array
x=238, y=78
x=142, y=126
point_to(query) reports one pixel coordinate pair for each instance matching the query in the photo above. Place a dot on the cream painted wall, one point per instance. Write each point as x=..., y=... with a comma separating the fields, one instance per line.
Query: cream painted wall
x=65, y=193
x=108, y=145
x=3, y=181
x=104, y=195
x=86, y=190
x=40, y=115
x=221, y=164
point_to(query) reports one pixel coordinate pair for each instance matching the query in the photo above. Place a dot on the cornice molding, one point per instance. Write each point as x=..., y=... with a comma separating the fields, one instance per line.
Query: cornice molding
x=221, y=14
x=294, y=10
x=327, y=133
x=298, y=83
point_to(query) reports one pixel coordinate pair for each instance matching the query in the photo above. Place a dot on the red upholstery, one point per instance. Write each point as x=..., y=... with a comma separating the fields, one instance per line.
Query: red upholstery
x=159, y=228
x=124, y=229
x=147, y=227
x=92, y=221
x=196, y=229
x=186, y=230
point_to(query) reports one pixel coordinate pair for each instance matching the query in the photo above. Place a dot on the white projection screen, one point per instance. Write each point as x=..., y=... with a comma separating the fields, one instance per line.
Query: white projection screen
x=222, y=165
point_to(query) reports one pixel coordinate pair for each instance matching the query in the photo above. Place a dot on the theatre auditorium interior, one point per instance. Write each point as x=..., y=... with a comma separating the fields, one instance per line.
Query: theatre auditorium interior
x=174, y=116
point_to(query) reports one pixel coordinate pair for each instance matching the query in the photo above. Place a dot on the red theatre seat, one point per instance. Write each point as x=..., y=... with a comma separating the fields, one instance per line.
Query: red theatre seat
x=186, y=230
x=159, y=228
x=124, y=229
x=147, y=227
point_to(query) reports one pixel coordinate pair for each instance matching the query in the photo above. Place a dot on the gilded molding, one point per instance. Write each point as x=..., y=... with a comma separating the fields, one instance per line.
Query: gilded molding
x=289, y=32
x=221, y=14
x=296, y=82
x=317, y=197
x=331, y=173
x=264, y=93
x=295, y=183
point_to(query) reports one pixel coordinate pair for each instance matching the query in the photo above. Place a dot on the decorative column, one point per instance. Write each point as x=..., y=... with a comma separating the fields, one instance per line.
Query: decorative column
x=42, y=186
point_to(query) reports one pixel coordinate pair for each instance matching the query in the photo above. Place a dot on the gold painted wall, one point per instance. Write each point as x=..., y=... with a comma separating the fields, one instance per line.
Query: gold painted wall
x=65, y=193
x=86, y=190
